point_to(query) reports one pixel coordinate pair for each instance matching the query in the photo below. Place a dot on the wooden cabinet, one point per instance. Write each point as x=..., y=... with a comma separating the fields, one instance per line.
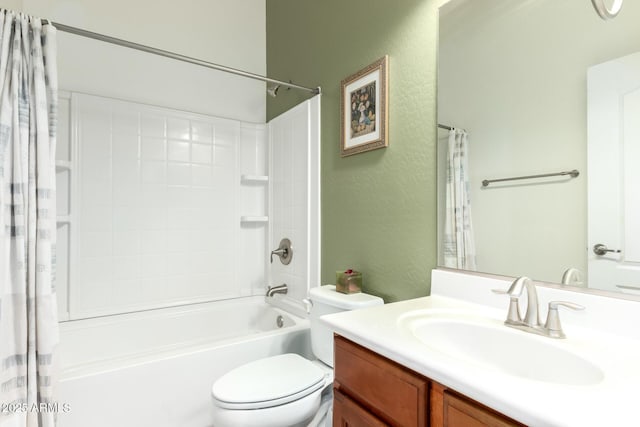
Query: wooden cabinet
x=389, y=391
x=459, y=411
x=347, y=413
x=371, y=390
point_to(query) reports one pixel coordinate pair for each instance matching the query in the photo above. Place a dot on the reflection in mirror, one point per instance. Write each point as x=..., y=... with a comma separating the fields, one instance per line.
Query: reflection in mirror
x=541, y=87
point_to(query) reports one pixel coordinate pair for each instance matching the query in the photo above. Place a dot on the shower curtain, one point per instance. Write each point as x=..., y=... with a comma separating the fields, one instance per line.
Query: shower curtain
x=28, y=312
x=459, y=247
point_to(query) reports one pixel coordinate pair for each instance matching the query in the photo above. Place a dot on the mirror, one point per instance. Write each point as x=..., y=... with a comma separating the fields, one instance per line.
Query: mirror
x=521, y=78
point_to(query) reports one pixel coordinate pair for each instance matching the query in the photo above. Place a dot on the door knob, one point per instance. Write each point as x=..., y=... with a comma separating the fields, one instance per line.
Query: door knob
x=600, y=249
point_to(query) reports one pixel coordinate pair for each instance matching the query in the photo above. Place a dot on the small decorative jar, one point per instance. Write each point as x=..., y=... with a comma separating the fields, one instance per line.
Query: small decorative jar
x=349, y=282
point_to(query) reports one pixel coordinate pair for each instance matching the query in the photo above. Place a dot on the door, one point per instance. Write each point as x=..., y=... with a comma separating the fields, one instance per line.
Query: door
x=613, y=126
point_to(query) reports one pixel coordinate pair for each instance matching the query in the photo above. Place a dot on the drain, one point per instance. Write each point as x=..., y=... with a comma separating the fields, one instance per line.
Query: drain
x=280, y=321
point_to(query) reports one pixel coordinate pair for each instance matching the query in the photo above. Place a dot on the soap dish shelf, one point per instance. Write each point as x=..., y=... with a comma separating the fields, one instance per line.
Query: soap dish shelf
x=253, y=219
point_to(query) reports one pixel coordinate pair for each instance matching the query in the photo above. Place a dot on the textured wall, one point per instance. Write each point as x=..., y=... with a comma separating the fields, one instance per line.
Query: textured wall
x=378, y=208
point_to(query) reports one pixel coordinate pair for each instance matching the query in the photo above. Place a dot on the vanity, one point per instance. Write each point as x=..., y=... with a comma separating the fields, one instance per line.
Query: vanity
x=449, y=360
x=370, y=389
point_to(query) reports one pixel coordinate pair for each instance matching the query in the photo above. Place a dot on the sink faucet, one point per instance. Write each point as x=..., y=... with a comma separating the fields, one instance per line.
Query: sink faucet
x=531, y=317
x=280, y=289
x=531, y=321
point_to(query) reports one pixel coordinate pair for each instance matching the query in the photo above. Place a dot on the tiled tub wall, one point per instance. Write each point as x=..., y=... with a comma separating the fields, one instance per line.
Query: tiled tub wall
x=150, y=203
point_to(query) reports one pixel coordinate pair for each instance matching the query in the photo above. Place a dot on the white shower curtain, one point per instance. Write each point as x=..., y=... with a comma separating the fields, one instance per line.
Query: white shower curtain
x=28, y=312
x=459, y=246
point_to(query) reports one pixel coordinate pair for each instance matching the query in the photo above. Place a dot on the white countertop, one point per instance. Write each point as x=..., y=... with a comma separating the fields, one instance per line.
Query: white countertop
x=610, y=402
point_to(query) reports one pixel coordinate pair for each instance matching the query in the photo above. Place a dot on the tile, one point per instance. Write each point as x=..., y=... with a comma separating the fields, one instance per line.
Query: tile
x=126, y=218
x=201, y=176
x=96, y=244
x=153, y=242
x=152, y=218
x=126, y=192
x=153, y=148
x=63, y=190
x=201, y=153
x=126, y=243
x=95, y=218
x=128, y=292
x=226, y=132
x=201, y=262
x=181, y=240
x=201, y=131
x=96, y=270
x=154, y=196
x=153, y=266
x=179, y=264
x=96, y=295
x=126, y=121
x=178, y=128
x=126, y=267
x=179, y=195
x=179, y=218
x=224, y=156
x=154, y=172
x=178, y=151
x=179, y=173
x=63, y=147
x=152, y=125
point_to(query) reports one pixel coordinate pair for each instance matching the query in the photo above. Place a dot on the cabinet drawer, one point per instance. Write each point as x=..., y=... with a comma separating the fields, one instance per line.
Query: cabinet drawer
x=393, y=393
x=459, y=411
x=347, y=413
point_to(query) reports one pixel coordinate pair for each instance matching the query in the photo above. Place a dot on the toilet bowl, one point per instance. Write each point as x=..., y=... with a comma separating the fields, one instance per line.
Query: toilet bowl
x=286, y=390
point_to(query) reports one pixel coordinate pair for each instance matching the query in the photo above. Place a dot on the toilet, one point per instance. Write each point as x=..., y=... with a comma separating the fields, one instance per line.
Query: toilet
x=285, y=390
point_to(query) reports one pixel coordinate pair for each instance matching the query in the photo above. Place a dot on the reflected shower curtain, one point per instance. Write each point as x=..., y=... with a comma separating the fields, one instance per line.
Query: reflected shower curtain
x=459, y=247
x=28, y=312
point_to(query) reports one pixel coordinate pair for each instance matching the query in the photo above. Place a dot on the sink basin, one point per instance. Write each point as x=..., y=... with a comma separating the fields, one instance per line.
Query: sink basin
x=487, y=343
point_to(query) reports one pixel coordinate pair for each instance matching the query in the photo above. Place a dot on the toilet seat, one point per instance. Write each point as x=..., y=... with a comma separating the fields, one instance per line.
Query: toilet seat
x=268, y=382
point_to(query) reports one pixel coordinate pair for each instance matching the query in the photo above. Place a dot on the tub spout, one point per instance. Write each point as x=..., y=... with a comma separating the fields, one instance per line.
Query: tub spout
x=280, y=289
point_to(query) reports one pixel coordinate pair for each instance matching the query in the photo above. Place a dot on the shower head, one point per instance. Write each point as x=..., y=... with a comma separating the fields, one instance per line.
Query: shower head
x=273, y=90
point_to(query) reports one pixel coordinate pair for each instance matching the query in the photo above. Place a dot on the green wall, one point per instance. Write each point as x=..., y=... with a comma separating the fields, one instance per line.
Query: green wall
x=378, y=208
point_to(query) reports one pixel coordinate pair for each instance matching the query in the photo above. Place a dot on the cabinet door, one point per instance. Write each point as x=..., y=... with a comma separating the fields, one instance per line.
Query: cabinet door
x=347, y=413
x=459, y=412
x=391, y=391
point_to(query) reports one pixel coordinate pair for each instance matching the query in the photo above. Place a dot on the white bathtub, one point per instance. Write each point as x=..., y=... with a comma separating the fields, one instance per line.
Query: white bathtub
x=156, y=368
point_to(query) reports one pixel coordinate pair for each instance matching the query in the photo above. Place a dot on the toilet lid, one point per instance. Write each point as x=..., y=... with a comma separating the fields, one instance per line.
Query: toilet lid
x=268, y=382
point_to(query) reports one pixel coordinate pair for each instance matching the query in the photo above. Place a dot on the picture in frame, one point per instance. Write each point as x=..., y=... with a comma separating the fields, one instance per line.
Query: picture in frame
x=363, y=109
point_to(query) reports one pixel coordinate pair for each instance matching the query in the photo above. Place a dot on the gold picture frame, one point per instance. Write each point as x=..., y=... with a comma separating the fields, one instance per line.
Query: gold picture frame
x=363, y=109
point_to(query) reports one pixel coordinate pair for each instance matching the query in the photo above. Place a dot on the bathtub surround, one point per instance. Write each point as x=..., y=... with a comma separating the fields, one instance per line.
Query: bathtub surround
x=294, y=141
x=28, y=322
x=175, y=207
x=154, y=199
x=378, y=208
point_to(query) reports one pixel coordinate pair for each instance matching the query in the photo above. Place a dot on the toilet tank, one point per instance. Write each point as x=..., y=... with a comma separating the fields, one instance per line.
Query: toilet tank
x=326, y=300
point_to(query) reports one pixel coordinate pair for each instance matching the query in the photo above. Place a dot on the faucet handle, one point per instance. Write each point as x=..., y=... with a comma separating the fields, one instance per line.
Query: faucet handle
x=516, y=287
x=552, y=325
x=513, y=314
x=553, y=305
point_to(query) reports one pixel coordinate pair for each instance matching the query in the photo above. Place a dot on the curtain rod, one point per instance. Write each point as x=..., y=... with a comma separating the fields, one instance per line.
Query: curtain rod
x=445, y=127
x=172, y=55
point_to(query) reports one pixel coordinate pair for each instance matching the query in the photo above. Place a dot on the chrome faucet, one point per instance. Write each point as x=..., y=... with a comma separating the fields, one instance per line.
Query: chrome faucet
x=280, y=289
x=531, y=322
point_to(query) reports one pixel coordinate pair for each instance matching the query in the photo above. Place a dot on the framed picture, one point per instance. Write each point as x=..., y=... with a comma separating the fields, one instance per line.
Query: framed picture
x=363, y=109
